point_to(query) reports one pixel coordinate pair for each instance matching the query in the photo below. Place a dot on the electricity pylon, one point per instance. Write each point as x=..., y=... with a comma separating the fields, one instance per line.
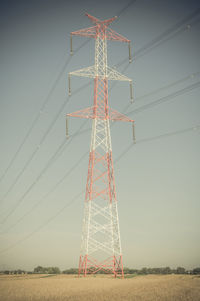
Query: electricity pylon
x=101, y=244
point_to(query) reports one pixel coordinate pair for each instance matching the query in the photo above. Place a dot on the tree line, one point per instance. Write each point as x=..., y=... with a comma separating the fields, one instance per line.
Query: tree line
x=143, y=271
x=162, y=270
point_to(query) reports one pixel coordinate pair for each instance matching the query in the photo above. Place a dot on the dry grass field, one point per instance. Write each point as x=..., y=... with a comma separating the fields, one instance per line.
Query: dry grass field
x=99, y=288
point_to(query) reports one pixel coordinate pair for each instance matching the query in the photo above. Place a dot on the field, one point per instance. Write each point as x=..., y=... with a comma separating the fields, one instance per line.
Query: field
x=101, y=288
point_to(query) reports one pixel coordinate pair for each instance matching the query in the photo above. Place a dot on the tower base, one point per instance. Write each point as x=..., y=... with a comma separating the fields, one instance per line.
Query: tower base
x=111, y=265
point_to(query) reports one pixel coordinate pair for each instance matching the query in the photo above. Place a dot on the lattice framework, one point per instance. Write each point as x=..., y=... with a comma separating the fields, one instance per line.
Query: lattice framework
x=100, y=243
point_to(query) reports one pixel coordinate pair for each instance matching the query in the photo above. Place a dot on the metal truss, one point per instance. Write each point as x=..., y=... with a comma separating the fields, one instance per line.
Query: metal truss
x=100, y=243
x=112, y=74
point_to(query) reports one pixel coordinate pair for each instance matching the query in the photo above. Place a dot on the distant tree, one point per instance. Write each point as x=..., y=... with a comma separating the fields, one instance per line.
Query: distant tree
x=39, y=269
x=53, y=270
x=167, y=270
x=126, y=270
x=196, y=271
x=46, y=270
x=130, y=271
x=180, y=270
x=133, y=271
x=71, y=271
x=143, y=271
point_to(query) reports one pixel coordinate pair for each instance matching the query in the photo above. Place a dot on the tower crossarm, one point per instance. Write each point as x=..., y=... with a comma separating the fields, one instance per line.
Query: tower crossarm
x=86, y=32
x=97, y=21
x=92, y=113
x=93, y=19
x=84, y=72
x=115, y=36
x=92, y=31
x=90, y=72
x=101, y=30
x=113, y=74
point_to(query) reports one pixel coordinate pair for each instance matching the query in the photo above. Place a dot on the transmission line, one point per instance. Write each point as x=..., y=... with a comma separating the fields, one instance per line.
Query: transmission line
x=47, y=194
x=49, y=130
x=188, y=18
x=186, y=28
x=194, y=128
x=175, y=83
x=50, y=161
x=41, y=141
x=144, y=48
x=141, y=109
x=125, y=8
x=42, y=226
x=53, y=158
x=165, y=36
x=33, y=124
x=165, y=98
x=47, y=99
x=61, y=109
x=40, y=113
x=170, y=85
x=140, y=141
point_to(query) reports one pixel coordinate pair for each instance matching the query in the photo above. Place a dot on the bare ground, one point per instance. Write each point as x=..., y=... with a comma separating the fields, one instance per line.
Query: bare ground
x=101, y=288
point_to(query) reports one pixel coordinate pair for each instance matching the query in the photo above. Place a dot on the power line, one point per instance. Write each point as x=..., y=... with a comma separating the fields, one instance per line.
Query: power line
x=47, y=99
x=165, y=36
x=191, y=16
x=53, y=122
x=40, y=113
x=61, y=180
x=119, y=14
x=50, y=161
x=165, y=98
x=170, y=85
x=194, y=128
x=186, y=28
x=125, y=8
x=42, y=226
x=153, y=92
x=47, y=194
x=42, y=141
x=140, y=141
x=53, y=158
x=45, y=102
x=89, y=83
x=157, y=41
x=150, y=44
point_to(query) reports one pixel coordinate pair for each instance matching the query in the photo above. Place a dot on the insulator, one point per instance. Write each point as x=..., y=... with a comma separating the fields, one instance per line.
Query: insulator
x=129, y=51
x=69, y=84
x=131, y=91
x=71, y=50
x=67, y=130
x=133, y=127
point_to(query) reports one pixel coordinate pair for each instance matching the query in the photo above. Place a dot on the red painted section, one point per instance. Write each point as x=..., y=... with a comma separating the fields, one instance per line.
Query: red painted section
x=111, y=265
x=100, y=179
x=101, y=30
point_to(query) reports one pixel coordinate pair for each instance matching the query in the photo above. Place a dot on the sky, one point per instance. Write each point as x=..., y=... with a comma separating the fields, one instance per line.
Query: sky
x=157, y=179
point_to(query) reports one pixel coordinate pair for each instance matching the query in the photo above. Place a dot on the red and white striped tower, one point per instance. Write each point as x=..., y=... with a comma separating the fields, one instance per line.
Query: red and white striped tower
x=101, y=244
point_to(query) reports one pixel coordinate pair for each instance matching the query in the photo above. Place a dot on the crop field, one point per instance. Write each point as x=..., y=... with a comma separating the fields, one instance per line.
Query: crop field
x=101, y=288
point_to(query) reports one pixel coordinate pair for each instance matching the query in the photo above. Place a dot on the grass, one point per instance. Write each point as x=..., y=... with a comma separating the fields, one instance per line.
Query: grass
x=99, y=288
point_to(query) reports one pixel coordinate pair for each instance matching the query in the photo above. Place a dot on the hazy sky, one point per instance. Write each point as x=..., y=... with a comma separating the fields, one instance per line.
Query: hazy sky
x=157, y=180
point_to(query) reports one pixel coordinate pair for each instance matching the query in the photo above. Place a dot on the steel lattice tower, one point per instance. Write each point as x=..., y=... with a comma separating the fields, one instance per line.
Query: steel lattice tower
x=101, y=245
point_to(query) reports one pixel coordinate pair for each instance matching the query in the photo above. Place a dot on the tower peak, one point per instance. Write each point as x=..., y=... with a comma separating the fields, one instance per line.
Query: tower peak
x=97, y=21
